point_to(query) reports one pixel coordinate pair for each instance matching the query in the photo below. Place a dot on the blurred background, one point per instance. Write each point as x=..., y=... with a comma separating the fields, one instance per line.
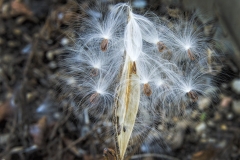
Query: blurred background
x=38, y=119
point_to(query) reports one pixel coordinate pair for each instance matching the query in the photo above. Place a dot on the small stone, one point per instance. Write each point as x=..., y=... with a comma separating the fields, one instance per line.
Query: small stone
x=222, y=144
x=12, y=44
x=64, y=41
x=57, y=115
x=212, y=140
x=203, y=140
x=4, y=138
x=31, y=96
x=50, y=55
x=194, y=114
x=236, y=85
x=52, y=65
x=201, y=127
x=17, y=32
x=7, y=58
x=217, y=116
x=204, y=103
x=229, y=116
x=203, y=136
x=210, y=123
x=236, y=107
x=224, y=127
x=225, y=102
x=5, y=8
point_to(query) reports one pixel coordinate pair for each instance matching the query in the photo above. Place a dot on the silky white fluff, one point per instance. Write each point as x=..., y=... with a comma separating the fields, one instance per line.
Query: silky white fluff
x=173, y=63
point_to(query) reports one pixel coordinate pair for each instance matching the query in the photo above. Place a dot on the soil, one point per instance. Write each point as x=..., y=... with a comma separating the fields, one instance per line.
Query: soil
x=37, y=119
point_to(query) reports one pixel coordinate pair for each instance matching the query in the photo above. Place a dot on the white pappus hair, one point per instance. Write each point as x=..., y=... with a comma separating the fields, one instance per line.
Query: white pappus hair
x=119, y=61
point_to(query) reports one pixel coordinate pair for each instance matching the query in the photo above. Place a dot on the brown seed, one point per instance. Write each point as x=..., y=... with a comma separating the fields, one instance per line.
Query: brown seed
x=147, y=89
x=104, y=45
x=94, y=72
x=190, y=54
x=94, y=97
x=160, y=46
x=134, y=68
x=193, y=95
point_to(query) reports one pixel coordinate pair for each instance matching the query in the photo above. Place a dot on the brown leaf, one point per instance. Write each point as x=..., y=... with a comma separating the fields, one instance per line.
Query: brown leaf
x=226, y=101
x=207, y=154
x=20, y=8
x=5, y=110
x=38, y=131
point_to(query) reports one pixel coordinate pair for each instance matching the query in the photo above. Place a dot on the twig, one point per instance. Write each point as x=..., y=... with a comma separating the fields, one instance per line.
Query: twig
x=80, y=139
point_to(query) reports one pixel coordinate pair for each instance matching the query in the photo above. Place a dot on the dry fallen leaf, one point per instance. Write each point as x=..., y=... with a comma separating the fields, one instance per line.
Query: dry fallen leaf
x=207, y=154
x=5, y=110
x=20, y=8
x=38, y=131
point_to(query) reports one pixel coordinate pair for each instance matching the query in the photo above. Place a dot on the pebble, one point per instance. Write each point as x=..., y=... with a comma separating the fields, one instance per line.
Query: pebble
x=210, y=123
x=217, y=116
x=31, y=96
x=225, y=102
x=204, y=103
x=212, y=140
x=17, y=32
x=5, y=8
x=224, y=127
x=230, y=116
x=236, y=85
x=4, y=138
x=12, y=44
x=64, y=41
x=7, y=58
x=222, y=144
x=52, y=65
x=201, y=127
x=50, y=55
x=236, y=107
